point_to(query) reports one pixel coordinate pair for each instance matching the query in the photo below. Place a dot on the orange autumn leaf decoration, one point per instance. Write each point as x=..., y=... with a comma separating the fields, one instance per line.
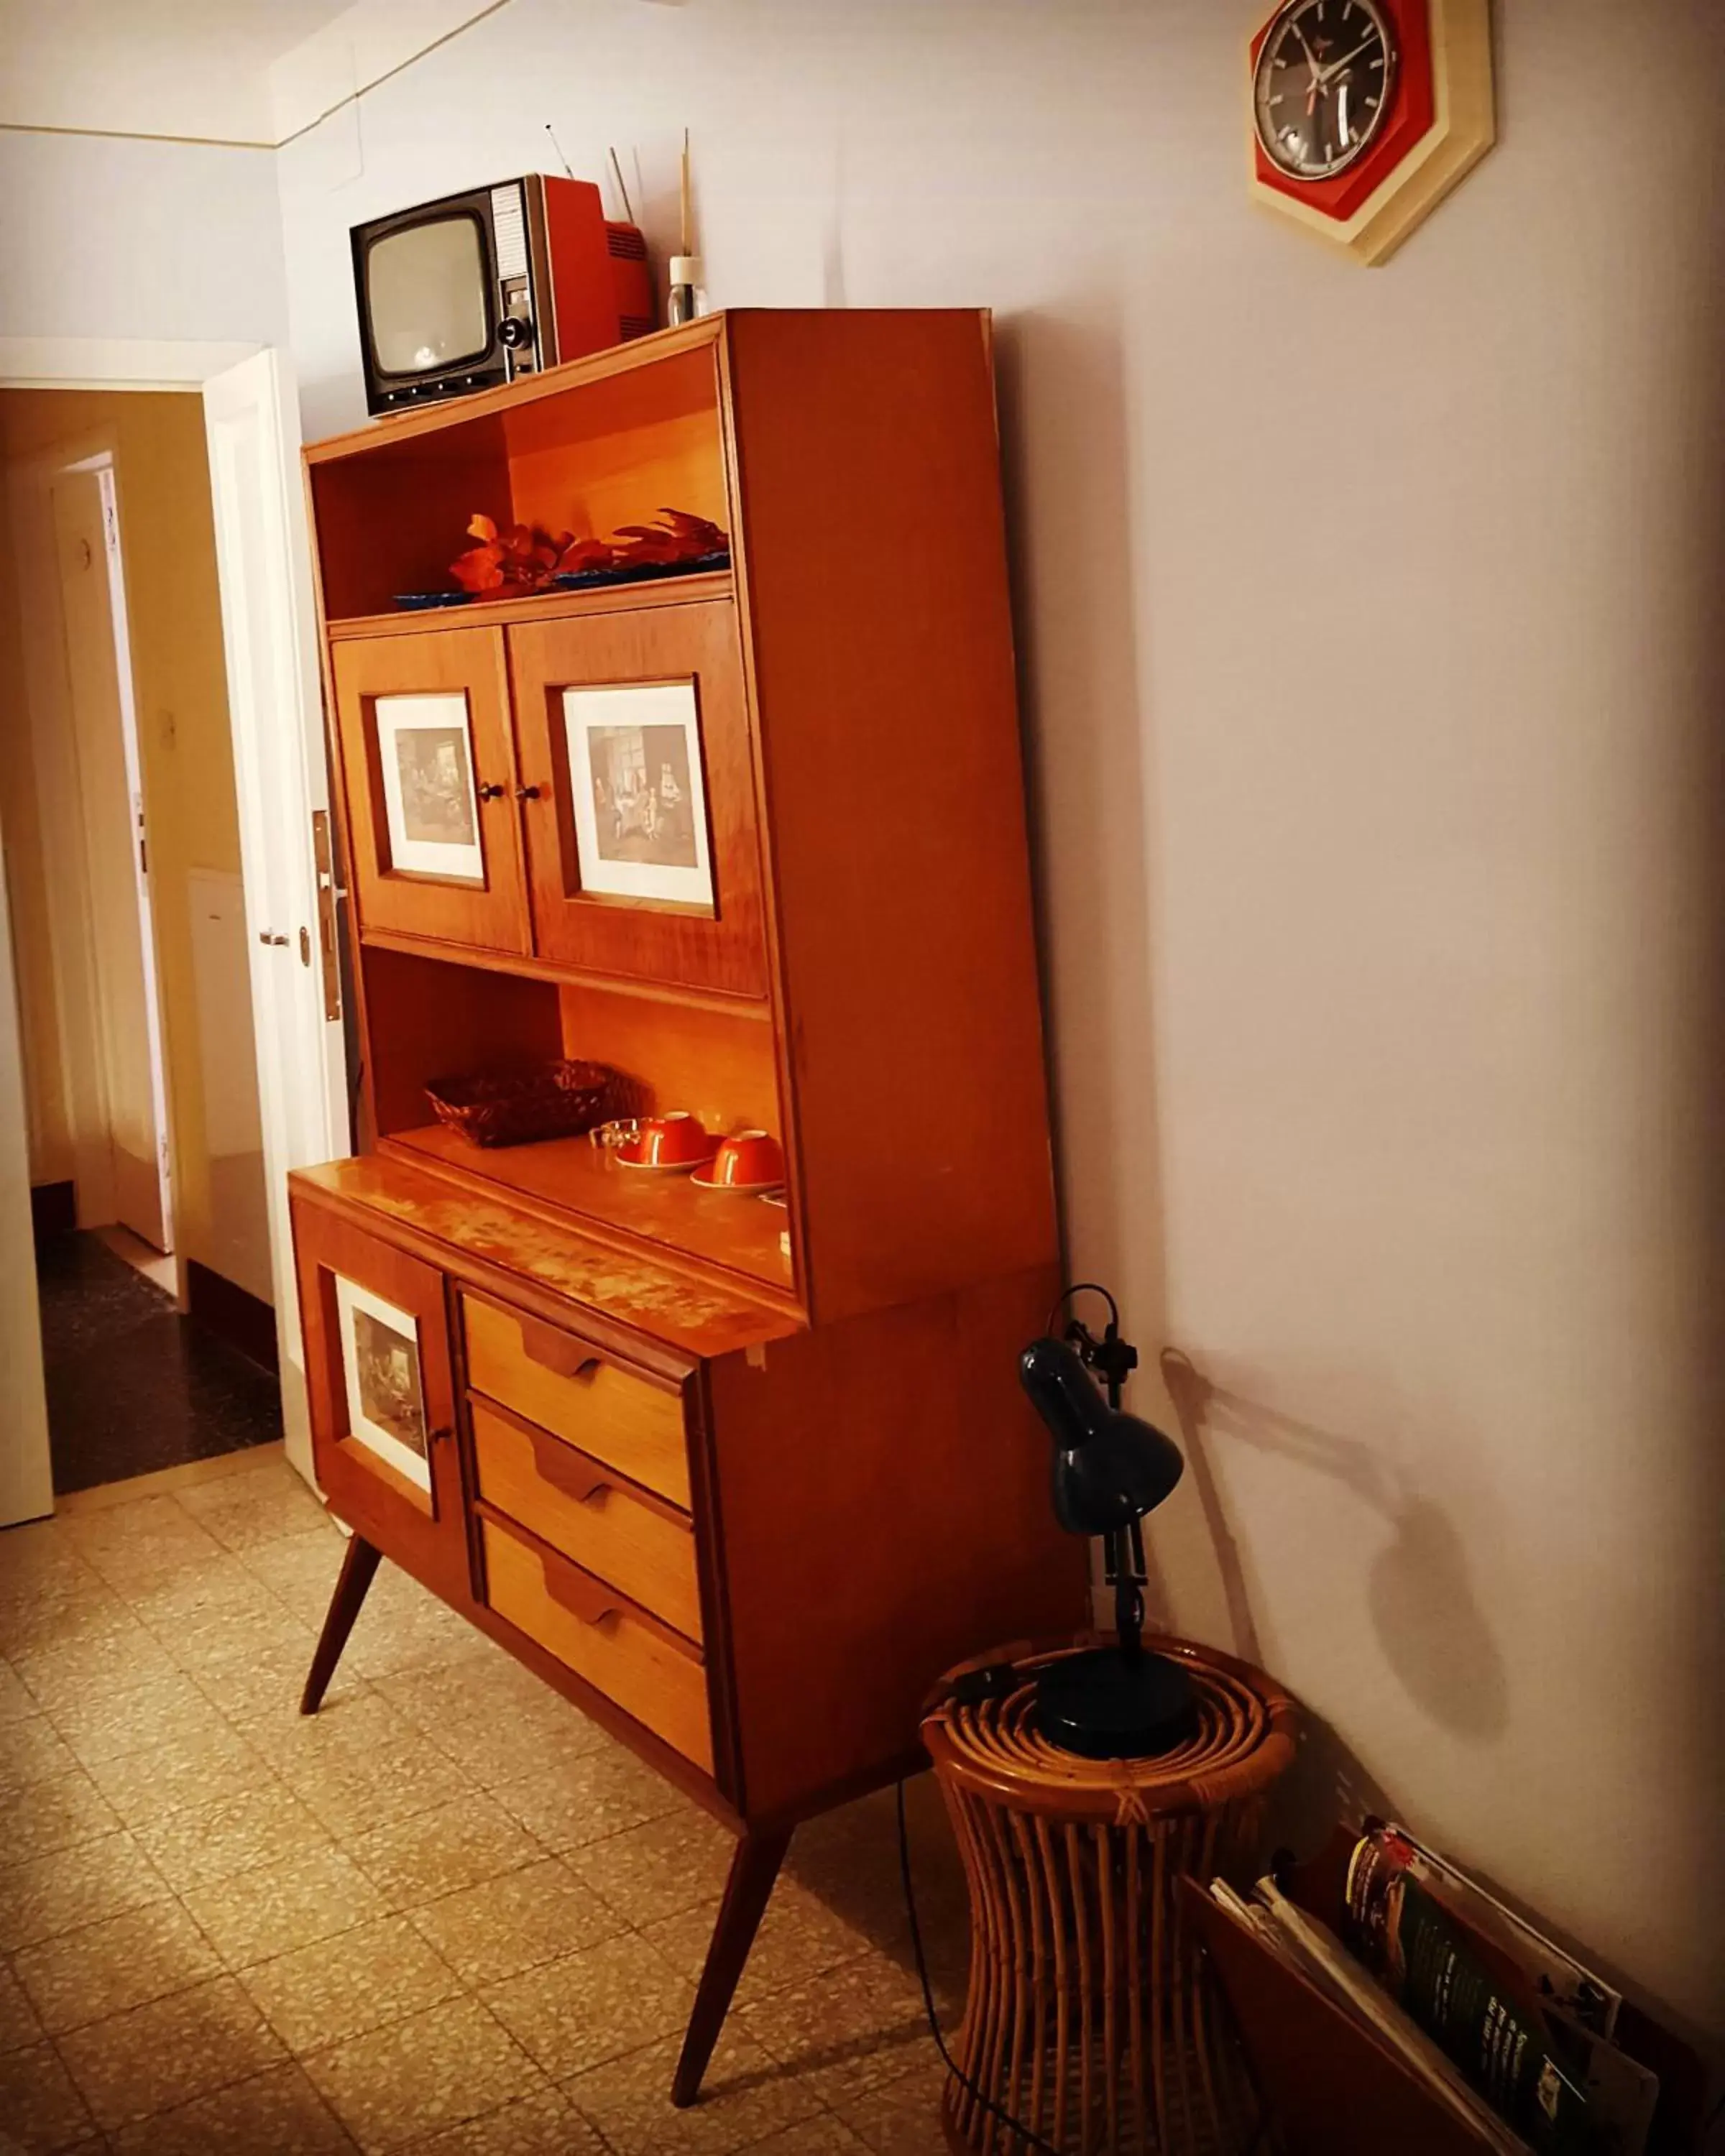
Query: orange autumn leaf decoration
x=511, y=560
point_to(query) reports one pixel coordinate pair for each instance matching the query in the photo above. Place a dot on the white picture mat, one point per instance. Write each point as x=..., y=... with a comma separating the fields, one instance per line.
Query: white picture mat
x=637, y=704
x=351, y=1297
x=395, y=715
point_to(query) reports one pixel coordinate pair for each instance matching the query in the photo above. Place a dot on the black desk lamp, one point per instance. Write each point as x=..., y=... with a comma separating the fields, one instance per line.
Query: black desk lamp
x=1109, y=1471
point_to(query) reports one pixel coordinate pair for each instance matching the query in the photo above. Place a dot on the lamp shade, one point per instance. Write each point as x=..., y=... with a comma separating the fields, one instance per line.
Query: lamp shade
x=1110, y=1468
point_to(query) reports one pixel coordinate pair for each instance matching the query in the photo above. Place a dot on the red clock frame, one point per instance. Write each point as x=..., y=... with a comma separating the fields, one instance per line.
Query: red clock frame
x=1412, y=114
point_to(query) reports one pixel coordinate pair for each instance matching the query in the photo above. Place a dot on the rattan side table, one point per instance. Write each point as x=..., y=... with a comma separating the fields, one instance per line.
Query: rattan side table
x=1089, y=2017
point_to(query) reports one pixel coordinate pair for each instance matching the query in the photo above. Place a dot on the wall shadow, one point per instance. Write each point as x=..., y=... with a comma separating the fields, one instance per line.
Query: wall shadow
x=1424, y=1610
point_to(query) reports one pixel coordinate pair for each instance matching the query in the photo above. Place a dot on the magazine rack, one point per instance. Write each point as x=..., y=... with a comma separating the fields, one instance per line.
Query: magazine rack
x=1331, y=2089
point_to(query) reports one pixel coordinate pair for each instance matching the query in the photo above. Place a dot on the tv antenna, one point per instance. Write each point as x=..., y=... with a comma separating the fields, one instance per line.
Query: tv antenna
x=558, y=148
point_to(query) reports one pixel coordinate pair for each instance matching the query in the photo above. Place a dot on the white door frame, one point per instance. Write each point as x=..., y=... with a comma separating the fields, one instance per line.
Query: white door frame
x=301, y=1064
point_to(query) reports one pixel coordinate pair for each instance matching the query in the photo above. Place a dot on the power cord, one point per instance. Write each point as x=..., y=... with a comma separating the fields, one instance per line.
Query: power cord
x=1012, y=2125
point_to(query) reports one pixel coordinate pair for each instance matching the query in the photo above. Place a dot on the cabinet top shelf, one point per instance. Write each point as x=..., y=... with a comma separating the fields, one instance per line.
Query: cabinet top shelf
x=539, y=605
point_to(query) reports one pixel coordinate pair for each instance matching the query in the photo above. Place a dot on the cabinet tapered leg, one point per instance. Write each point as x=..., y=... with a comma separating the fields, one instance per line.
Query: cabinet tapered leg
x=359, y=1569
x=754, y=1869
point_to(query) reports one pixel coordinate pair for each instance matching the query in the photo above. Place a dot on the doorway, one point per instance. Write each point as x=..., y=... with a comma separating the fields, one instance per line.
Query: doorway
x=120, y=827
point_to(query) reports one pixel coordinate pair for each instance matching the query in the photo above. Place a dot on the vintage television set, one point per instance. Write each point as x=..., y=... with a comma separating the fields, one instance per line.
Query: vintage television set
x=480, y=288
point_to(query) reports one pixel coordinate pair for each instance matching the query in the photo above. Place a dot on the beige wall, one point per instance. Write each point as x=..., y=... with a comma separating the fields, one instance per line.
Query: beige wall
x=1372, y=638
x=173, y=603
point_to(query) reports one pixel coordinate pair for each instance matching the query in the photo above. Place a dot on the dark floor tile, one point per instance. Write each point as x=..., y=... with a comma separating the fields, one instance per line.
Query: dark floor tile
x=131, y=1386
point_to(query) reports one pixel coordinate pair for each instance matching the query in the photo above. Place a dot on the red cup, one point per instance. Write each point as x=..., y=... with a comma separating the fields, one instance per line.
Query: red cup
x=675, y=1140
x=746, y=1161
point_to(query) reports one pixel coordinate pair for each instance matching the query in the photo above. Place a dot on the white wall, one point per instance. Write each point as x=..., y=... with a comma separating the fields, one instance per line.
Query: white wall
x=1371, y=640
x=139, y=239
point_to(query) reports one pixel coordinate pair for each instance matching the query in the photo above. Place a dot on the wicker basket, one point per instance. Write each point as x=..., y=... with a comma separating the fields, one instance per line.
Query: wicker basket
x=521, y=1107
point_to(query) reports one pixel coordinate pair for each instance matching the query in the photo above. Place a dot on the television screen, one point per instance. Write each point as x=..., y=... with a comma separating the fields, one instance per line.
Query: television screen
x=426, y=289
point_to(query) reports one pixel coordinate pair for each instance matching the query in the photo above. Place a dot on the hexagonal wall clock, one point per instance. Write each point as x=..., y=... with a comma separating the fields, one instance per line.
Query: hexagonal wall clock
x=1365, y=113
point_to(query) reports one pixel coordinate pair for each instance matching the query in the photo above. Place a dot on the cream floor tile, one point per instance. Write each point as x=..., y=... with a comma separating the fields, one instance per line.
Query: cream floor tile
x=546, y=2125
x=223, y=1591
x=245, y=1512
x=345, y=1728
x=18, y=2025
x=661, y=1868
x=424, y=1634
x=16, y=1703
x=824, y=2135
x=61, y=1613
x=602, y=1791
x=901, y=2116
x=503, y=1928
x=744, y=2095
x=157, y=2056
x=857, y=2026
x=84, y=1668
x=109, y=1967
x=380, y=1972
x=270, y=1676
x=54, y=1894
x=32, y=1750
x=301, y=1569
x=179, y=1774
x=137, y=1545
x=800, y=1938
x=441, y=1852
x=111, y=1724
x=58, y=1815
x=39, y=1554
x=415, y=2077
x=392, y=1779
x=237, y=1639
x=207, y=1842
x=274, y=2114
x=40, y=2109
x=281, y=1906
x=594, y=2006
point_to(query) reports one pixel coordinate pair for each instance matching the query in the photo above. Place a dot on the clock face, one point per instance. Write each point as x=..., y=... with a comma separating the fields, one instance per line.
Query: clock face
x=1326, y=72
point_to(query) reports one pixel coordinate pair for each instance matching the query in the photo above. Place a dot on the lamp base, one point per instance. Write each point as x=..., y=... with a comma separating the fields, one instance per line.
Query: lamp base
x=1101, y=1707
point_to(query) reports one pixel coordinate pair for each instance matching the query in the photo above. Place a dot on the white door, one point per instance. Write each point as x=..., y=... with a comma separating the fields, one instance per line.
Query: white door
x=26, y=1472
x=281, y=777
x=104, y=732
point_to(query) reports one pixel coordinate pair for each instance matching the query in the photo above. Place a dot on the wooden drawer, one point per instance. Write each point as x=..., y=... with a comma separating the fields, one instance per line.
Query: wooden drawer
x=564, y=1385
x=587, y=1511
x=601, y=1636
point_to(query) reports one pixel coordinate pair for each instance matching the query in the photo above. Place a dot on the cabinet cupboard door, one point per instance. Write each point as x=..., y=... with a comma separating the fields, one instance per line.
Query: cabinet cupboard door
x=382, y=1396
x=642, y=850
x=430, y=784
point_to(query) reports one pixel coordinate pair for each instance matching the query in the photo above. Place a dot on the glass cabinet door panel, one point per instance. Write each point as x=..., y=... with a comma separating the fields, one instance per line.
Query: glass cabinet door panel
x=643, y=847
x=431, y=787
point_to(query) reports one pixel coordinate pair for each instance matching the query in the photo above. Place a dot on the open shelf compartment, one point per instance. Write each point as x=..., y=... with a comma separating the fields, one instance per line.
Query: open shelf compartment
x=393, y=503
x=430, y=1018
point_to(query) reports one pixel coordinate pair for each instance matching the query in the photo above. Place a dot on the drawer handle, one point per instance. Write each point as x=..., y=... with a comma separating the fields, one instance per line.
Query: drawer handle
x=587, y=1607
x=567, y=1473
x=557, y=1351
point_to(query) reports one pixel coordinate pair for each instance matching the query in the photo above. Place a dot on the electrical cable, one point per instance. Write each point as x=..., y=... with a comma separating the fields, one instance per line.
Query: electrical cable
x=1015, y=2126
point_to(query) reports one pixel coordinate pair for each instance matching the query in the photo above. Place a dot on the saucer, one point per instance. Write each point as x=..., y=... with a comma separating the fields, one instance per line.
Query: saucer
x=736, y=1189
x=620, y=1155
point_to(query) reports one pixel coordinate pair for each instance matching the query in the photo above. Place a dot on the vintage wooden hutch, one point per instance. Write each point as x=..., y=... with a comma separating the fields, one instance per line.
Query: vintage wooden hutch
x=739, y=1481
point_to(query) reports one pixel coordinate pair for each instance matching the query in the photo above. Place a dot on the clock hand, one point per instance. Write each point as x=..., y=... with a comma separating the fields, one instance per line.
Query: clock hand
x=1335, y=68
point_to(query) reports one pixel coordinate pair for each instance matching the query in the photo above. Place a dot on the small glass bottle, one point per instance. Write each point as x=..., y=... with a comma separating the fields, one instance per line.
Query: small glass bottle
x=688, y=289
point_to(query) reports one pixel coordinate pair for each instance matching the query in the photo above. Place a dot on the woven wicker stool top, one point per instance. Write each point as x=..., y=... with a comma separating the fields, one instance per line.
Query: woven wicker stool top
x=1242, y=1738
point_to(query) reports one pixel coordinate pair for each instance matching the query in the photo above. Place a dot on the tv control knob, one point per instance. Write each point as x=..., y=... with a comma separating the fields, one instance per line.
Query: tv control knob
x=514, y=331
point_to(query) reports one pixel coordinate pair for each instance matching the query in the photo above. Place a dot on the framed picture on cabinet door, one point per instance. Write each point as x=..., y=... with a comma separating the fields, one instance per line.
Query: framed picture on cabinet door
x=637, y=793
x=381, y=1374
x=430, y=806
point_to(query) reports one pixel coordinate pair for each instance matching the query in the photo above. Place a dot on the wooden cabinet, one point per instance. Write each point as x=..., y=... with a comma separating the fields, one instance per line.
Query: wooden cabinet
x=737, y=1479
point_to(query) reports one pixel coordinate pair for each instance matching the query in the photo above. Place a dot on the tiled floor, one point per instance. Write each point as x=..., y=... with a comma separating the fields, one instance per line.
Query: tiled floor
x=132, y=1386
x=447, y=1915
